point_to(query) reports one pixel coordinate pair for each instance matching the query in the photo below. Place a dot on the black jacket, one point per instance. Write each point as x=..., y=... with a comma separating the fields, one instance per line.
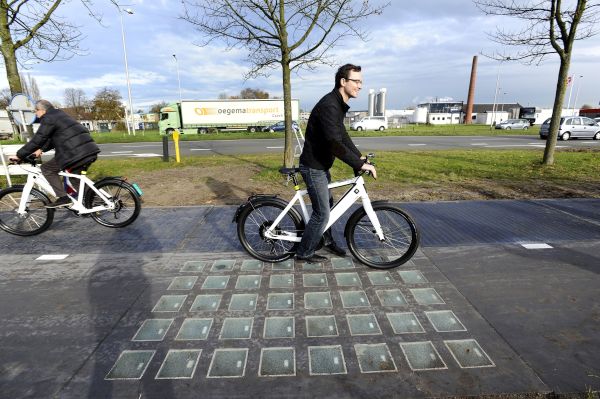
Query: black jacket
x=71, y=140
x=326, y=135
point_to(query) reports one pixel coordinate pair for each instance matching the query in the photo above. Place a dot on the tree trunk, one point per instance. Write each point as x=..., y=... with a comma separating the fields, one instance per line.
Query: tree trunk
x=9, y=56
x=559, y=97
x=288, y=152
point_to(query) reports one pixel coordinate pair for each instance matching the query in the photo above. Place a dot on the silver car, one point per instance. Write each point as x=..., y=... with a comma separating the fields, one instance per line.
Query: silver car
x=573, y=127
x=509, y=124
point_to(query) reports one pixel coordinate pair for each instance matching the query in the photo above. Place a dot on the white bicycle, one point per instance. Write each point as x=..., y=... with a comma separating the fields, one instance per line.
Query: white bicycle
x=111, y=201
x=378, y=234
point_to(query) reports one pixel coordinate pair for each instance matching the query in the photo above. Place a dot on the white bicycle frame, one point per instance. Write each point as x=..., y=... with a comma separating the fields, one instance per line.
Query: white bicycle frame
x=356, y=191
x=37, y=179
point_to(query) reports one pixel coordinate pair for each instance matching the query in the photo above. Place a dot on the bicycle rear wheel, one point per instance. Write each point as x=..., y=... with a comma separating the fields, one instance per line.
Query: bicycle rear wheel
x=400, y=232
x=37, y=218
x=126, y=200
x=256, y=218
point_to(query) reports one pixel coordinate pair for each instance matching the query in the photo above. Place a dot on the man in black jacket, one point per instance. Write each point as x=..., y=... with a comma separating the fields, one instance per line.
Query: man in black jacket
x=326, y=139
x=73, y=145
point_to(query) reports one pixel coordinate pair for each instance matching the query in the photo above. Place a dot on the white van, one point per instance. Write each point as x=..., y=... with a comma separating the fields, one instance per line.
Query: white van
x=370, y=123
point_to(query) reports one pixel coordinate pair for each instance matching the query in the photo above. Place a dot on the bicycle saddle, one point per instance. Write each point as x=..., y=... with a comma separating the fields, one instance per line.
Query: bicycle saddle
x=289, y=171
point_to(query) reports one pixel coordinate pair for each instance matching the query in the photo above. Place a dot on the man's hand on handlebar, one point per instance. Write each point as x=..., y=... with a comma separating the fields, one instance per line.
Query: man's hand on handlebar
x=369, y=168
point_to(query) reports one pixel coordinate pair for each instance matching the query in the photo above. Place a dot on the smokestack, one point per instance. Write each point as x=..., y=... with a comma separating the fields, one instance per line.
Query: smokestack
x=471, y=96
x=371, y=102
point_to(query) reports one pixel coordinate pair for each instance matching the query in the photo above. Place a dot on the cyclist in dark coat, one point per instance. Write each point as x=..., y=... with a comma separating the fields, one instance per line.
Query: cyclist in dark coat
x=326, y=139
x=71, y=141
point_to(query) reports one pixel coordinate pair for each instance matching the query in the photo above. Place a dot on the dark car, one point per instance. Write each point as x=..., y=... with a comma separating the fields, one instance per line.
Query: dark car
x=280, y=127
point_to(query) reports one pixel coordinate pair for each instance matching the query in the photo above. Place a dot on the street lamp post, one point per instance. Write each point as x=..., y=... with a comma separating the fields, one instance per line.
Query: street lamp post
x=130, y=12
x=178, y=79
x=577, y=95
x=497, y=88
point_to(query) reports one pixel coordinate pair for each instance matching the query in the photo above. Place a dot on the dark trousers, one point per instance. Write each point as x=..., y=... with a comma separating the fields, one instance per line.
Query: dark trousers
x=50, y=171
x=320, y=196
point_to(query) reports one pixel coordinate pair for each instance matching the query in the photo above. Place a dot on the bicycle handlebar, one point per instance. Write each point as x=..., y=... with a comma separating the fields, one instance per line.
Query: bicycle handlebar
x=28, y=159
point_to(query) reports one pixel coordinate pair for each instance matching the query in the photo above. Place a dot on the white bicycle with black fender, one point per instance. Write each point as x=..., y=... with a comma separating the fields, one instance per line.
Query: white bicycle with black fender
x=378, y=234
x=112, y=201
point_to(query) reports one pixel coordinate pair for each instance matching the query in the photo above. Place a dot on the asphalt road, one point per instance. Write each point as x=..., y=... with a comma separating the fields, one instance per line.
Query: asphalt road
x=260, y=146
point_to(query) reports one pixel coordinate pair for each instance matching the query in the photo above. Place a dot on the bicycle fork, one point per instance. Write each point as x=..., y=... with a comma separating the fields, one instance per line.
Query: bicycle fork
x=373, y=217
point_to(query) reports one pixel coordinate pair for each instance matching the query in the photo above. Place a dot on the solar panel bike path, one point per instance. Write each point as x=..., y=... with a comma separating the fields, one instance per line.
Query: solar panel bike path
x=229, y=326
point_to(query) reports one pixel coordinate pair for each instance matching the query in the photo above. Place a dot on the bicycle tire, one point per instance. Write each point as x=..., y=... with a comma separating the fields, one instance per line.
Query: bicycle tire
x=127, y=203
x=259, y=215
x=400, y=232
x=38, y=218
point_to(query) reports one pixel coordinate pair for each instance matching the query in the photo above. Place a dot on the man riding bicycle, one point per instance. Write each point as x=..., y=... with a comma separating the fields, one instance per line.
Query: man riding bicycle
x=72, y=142
x=327, y=139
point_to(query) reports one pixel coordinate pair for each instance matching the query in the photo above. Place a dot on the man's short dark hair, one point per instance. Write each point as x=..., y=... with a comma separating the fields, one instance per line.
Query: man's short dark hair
x=344, y=72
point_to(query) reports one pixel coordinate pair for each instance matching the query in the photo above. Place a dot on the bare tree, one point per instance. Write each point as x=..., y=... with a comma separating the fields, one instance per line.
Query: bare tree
x=32, y=28
x=5, y=98
x=292, y=34
x=30, y=87
x=76, y=100
x=550, y=27
x=254, y=94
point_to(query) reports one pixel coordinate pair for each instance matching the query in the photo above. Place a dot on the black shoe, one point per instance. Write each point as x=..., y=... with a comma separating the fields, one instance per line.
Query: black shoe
x=314, y=258
x=335, y=249
x=60, y=202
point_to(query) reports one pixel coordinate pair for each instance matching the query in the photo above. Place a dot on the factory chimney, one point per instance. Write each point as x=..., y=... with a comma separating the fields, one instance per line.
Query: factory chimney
x=471, y=97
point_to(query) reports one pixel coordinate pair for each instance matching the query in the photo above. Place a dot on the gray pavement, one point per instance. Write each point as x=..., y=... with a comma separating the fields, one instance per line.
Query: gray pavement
x=501, y=298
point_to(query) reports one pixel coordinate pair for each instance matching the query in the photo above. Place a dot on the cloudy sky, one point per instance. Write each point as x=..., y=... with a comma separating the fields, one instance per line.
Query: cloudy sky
x=418, y=51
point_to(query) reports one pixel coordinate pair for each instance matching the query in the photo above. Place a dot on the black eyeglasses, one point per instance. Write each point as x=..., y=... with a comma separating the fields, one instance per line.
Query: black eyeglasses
x=357, y=81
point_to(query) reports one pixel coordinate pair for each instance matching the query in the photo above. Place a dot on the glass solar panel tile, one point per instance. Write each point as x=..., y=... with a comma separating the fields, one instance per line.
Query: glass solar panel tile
x=281, y=281
x=183, y=283
x=279, y=327
x=317, y=300
x=314, y=280
x=427, y=296
x=193, y=329
x=468, y=353
x=169, y=303
x=391, y=297
x=243, y=302
x=380, y=278
x=228, y=363
x=363, y=324
x=206, y=303
x=277, y=362
x=215, y=283
x=251, y=265
x=348, y=279
x=312, y=266
x=237, y=328
x=222, y=265
x=287, y=264
x=321, y=326
x=422, y=356
x=283, y=301
x=405, y=323
x=354, y=299
x=374, y=358
x=153, y=330
x=326, y=360
x=412, y=277
x=179, y=364
x=194, y=266
x=250, y=282
x=445, y=321
x=131, y=365
x=342, y=263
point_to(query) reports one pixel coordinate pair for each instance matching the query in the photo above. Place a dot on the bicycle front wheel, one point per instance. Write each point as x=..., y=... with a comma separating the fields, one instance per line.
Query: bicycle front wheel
x=400, y=232
x=256, y=218
x=127, y=203
x=36, y=219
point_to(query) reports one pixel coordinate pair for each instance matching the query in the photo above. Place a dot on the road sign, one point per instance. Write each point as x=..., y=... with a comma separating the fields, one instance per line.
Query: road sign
x=22, y=108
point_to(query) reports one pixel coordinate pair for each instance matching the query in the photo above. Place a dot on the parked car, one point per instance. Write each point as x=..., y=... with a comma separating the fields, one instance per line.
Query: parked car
x=370, y=123
x=280, y=127
x=597, y=120
x=573, y=127
x=521, y=124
